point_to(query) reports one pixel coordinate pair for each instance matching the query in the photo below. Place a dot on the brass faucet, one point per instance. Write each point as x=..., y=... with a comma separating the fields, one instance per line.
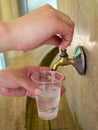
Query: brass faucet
x=78, y=60
x=64, y=60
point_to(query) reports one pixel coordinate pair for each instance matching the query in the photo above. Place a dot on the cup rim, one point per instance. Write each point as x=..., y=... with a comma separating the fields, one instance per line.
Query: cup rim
x=56, y=80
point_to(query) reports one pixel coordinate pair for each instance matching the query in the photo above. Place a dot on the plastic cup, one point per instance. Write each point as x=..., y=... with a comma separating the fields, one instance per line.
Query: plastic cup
x=50, y=83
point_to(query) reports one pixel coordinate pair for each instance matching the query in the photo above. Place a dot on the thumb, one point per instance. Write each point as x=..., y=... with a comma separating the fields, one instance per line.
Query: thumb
x=30, y=86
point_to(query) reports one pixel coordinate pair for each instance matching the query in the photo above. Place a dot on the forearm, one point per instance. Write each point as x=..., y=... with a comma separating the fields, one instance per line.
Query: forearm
x=37, y=28
x=5, y=35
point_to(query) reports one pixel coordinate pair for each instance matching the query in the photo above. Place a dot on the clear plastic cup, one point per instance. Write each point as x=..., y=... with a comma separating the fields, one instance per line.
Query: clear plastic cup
x=50, y=83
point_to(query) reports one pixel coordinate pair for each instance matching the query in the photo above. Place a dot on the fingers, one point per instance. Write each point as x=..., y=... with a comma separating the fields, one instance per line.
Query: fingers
x=54, y=40
x=22, y=92
x=65, y=29
x=19, y=82
x=30, y=86
x=66, y=33
x=15, y=92
x=64, y=26
x=60, y=42
x=12, y=92
x=63, y=90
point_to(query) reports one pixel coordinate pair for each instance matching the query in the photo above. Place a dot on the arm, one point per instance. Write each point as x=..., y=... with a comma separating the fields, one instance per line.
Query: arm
x=4, y=37
x=37, y=28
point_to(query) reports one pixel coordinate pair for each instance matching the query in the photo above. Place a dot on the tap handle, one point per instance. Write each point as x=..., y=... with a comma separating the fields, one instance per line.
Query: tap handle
x=64, y=53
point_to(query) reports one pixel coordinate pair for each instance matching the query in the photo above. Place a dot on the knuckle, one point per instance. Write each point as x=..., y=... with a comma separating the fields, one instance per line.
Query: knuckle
x=50, y=9
x=73, y=24
x=48, y=6
x=54, y=19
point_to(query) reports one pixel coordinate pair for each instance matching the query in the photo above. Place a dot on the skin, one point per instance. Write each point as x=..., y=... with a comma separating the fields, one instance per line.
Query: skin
x=18, y=81
x=43, y=26
x=37, y=28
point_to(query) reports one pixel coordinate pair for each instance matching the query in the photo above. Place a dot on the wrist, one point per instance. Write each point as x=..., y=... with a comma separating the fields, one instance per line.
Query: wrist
x=5, y=37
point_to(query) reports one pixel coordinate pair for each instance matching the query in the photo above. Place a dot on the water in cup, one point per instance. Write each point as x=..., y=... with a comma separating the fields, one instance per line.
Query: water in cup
x=48, y=102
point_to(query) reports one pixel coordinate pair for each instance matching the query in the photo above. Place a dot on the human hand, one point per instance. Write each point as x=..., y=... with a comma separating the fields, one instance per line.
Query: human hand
x=44, y=25
x=17, y=82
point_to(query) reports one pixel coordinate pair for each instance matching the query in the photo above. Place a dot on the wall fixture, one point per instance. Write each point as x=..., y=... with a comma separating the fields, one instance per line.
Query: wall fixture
x=78, y=60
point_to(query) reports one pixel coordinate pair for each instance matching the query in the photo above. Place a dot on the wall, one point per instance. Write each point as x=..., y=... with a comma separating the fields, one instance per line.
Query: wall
x=82, y=91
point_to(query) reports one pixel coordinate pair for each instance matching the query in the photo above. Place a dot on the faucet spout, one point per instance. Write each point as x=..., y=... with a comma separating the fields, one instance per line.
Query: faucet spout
x=78, y=61
x=62, y=61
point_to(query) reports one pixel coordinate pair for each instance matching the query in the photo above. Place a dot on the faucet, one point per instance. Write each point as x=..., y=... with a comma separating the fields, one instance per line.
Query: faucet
x=64, y=60
x=78, y=60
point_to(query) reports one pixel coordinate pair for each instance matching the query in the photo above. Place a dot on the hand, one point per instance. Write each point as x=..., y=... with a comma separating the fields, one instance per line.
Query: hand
x=17, y=82
x=44, y=25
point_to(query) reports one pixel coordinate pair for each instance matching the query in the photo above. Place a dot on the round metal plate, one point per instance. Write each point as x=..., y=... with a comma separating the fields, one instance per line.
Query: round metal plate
x=80, y=56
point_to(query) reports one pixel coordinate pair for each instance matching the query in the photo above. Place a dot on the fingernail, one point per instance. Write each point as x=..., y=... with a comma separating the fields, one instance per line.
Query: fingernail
x=37, y=91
